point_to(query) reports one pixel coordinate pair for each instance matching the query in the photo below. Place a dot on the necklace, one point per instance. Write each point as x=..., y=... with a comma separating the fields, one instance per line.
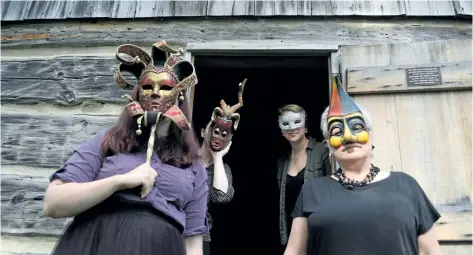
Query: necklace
x=351, y=184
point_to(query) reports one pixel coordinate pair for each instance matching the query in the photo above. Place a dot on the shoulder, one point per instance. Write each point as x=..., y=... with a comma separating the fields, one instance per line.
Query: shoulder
x=405, y=181
x=403, y=177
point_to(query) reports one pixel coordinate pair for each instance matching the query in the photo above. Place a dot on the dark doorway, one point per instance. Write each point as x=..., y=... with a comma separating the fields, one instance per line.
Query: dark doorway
x=249, y=224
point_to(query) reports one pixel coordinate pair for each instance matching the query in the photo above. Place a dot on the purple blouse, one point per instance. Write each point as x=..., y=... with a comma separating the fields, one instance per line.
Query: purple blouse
x=179, y=193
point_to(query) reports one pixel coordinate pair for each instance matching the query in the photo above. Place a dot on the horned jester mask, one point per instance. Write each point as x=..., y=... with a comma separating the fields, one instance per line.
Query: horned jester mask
x=159, y=86
x=224, y=122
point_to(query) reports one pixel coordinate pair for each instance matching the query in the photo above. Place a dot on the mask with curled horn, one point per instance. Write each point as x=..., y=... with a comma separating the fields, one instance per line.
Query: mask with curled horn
x=224, y=122
x=161, y=77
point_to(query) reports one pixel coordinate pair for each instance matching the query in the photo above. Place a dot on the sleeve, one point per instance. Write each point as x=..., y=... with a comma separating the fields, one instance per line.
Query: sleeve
x=84, y=163
x=427, y=214
x=218, y=196
x=299, y=207
x=196, y=208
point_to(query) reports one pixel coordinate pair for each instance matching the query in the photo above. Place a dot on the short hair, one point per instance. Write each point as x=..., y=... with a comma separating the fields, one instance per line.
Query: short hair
x=324, y=127
x=294, y=108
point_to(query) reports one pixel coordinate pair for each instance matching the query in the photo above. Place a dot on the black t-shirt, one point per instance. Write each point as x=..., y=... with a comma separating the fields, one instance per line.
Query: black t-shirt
x=384, y=217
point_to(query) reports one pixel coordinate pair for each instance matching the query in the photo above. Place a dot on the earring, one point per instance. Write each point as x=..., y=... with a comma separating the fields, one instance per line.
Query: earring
x=138, y=121
x=181, y=96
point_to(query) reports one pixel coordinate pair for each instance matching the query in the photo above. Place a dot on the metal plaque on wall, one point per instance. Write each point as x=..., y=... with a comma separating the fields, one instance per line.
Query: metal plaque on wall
x=423, y=76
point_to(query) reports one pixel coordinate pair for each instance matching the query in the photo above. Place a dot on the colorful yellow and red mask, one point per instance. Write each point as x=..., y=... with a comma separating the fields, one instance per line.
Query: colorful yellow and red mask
x=345, y=122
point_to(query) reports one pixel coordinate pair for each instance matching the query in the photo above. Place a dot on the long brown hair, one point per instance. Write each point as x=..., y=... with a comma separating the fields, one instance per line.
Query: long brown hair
x=179, y=148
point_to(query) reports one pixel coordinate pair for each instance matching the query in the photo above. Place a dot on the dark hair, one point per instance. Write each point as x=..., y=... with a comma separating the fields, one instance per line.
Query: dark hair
x=294, y=108
x=179, y=148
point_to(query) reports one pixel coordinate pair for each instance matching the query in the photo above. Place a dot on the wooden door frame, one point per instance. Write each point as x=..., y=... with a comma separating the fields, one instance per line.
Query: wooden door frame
x=261, y=48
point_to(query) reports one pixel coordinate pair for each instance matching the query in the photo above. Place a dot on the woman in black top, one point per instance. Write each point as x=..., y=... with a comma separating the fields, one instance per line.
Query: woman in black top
x=360, y=210
x=306, y=160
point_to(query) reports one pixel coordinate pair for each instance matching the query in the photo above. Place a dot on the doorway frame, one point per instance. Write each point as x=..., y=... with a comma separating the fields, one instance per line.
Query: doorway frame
x=262, y=48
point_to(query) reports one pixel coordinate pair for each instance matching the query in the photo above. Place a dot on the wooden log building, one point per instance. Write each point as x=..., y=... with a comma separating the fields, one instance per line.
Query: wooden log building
x=408, y=62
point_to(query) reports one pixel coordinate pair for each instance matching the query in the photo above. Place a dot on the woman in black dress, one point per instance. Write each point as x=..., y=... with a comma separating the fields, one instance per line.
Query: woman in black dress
x=138, y=187
x=360, y=210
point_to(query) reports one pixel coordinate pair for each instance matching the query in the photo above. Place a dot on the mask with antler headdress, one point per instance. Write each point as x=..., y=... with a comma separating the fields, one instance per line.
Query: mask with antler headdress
x=224, y=122
x=160, y=87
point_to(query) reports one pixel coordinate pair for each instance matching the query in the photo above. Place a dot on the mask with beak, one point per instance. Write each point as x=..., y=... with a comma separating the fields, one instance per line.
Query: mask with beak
x=345, y=122
x=160, y=87
x=224, y=122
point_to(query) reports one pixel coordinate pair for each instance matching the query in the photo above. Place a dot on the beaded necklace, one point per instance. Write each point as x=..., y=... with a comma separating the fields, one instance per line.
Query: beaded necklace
x=351, y=184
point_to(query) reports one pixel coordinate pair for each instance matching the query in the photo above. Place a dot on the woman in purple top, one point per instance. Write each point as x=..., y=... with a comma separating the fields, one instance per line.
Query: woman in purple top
x=125, y=199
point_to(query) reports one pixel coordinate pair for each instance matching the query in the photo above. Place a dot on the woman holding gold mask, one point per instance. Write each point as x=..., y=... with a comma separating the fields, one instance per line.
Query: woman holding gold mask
x=360, y=209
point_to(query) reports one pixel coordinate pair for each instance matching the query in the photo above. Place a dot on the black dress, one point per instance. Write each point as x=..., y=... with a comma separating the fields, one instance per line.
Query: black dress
x=116, y=227
x=384, y=217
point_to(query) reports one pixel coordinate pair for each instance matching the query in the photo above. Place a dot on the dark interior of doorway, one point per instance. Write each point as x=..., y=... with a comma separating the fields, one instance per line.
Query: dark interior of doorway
x=250, y=223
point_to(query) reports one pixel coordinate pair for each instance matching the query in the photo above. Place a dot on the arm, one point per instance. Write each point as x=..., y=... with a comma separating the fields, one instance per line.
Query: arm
x=220, y=179
x=218, y=196
x=72, y=189
x=428, y=244
x=195, y=209
x=194, y=245
x=69, y=199
x=297, y=243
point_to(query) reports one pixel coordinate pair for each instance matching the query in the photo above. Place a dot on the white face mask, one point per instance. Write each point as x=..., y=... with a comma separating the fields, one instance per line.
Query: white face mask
x=291, y=120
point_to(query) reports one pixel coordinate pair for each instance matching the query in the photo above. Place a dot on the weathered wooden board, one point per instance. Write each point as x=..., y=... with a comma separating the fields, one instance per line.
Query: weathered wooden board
x=431, y=148
x=24, y=245
x=60, y=68
x=283, y=8
x=463, y=7
x=385, y=138
x=14, y=10
x=46, y=141
x=146, y=9
x=47, y=10
x=456, y=249
x=22, y=205
x=90, y=9
x=62, y=81
x=463, y=105
x=385, y=79
x=181, y=32
x=396, y=54
x=63, y=92
x=230, y=8
x=171, y=8
x=124, y=9
x=361, y=8
x=429, y=8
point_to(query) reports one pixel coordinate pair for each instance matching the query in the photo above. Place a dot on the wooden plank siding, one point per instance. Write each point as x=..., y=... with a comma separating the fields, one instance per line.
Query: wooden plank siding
x=336, y=31
x=33, y=9
x=424, y=133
